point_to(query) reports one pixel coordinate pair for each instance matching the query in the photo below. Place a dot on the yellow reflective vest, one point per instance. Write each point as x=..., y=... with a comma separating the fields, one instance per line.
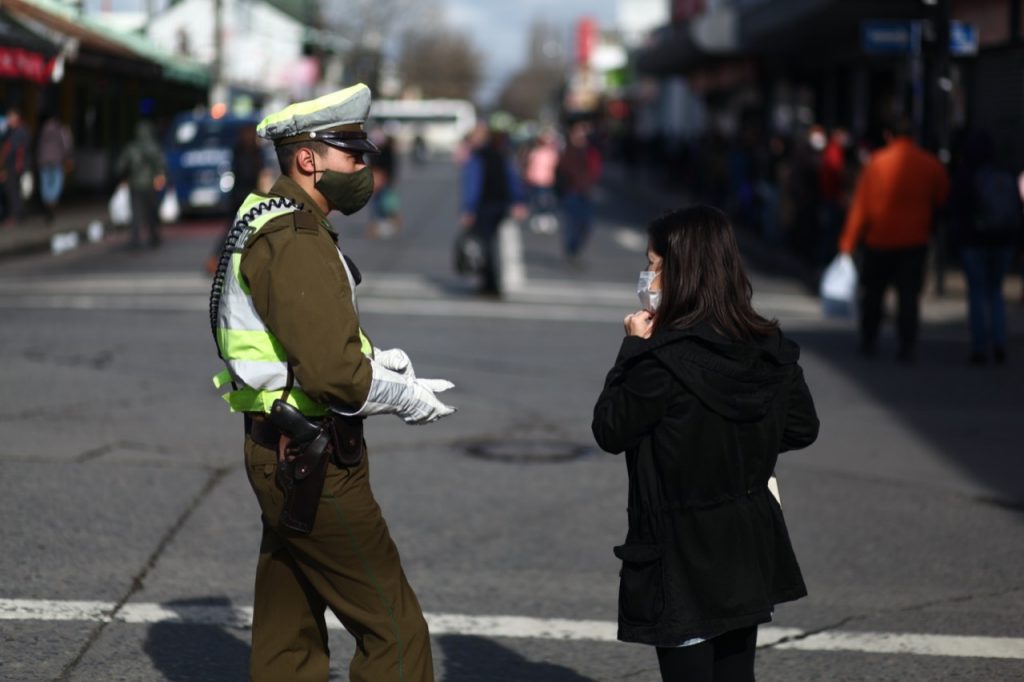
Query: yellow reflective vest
x=257, y=366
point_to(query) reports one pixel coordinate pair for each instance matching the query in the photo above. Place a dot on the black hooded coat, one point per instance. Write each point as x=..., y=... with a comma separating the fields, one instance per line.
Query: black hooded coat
x=702, y=420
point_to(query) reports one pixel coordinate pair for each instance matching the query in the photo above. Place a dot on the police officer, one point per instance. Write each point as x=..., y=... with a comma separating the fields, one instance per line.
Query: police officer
x=287, y=326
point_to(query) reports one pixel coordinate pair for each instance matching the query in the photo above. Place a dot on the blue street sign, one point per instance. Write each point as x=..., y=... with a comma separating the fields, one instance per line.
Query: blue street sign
x=963, y=39
x=885, y=37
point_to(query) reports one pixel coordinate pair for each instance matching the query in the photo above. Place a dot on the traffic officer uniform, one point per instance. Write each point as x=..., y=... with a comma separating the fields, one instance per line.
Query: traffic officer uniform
x=287, y=327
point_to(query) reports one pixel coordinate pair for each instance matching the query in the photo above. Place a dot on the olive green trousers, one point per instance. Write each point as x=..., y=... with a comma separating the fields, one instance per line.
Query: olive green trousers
x=348, y=564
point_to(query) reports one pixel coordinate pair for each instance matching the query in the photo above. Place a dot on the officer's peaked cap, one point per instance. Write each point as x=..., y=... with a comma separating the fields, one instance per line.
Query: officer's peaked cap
x=336, y=119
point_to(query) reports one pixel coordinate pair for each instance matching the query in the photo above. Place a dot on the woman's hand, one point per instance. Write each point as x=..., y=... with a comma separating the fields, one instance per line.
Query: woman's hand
x=639, y=324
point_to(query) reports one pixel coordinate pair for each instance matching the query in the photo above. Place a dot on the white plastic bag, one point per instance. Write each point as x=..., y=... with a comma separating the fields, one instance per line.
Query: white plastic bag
x=839, y=288
x=170, y=210
x=120, y=206
x=28, y=185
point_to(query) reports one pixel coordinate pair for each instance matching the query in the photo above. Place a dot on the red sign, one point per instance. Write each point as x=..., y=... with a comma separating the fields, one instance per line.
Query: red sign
x=24, y=64
x=586, y=41
x=684, y=10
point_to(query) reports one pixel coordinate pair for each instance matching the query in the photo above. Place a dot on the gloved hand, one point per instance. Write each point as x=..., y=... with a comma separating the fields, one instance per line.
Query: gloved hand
x=397, y=360
x=398, y=393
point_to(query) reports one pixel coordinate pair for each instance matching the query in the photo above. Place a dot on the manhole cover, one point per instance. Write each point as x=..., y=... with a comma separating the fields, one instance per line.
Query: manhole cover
x=539, y=451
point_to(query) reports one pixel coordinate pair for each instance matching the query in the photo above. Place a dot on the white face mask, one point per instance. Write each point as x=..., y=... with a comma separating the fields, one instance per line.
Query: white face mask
x=649, y=300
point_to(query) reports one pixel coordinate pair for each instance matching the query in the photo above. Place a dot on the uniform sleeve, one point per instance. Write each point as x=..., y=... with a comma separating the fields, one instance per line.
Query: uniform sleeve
x=632, y=402
x=302, y=294
x=801, y=418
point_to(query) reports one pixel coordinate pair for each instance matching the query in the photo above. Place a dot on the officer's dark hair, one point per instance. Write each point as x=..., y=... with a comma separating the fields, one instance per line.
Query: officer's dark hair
x=702, y=275
x=286, y=153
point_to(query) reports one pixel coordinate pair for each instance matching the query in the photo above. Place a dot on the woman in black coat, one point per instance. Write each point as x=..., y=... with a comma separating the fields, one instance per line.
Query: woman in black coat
x=704, y=395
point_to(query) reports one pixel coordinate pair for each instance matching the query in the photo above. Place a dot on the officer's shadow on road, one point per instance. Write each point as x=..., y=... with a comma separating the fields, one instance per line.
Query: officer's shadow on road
x=477, y=659
x=190, y=651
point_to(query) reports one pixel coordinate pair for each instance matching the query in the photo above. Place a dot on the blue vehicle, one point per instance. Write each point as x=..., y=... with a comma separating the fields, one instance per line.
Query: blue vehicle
x=199, y=150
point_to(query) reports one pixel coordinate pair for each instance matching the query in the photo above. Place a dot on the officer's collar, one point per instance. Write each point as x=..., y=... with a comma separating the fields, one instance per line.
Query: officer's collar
x=289, y=189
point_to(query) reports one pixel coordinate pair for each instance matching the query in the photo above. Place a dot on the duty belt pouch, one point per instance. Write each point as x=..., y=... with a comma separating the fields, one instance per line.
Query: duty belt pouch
x=301, y=479
x=349, y=446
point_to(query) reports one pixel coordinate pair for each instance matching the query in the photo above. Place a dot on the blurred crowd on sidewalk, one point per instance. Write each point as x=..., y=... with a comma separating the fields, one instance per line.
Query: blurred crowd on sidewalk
x=32, y=167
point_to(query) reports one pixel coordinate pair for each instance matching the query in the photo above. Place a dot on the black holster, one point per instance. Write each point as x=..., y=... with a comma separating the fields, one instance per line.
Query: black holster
x=303, y=469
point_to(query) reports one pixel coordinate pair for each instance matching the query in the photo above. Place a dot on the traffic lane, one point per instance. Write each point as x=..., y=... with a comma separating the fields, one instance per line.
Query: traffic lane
x=81, y=531
x=102, y=384
x=511, y=376
x=940, y=421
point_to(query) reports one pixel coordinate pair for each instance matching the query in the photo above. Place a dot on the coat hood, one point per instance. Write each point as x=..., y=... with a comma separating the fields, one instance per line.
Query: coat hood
x=736, y=380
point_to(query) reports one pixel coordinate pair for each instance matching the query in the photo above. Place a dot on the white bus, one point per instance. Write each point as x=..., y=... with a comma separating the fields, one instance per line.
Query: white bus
x=442, y=123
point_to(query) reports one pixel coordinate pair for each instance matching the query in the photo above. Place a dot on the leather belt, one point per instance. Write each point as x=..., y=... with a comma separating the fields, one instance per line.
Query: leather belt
x=262, y=432
x=347, y=435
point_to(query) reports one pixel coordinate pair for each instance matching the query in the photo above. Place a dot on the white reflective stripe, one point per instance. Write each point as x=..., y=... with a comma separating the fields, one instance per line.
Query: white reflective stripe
x=237, y=312
x=265, y=376
x=351, y=280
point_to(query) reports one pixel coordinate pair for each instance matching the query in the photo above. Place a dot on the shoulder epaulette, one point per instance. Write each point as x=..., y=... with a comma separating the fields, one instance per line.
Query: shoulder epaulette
x=305, y=221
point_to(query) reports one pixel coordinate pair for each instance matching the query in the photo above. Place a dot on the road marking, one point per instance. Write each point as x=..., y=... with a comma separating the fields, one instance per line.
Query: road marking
x=519, y=627
x=921, y=645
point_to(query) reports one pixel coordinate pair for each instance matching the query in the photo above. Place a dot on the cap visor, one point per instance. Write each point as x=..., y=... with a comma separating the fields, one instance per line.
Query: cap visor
x=354, y=145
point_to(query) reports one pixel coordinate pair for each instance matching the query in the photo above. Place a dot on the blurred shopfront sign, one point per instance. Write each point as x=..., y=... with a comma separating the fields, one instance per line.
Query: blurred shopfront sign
x=964, y=39
x=891, y=37
x=24, y=64
x=885, y=37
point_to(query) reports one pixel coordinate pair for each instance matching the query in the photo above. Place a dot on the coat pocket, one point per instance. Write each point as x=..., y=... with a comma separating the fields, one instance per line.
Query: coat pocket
x=641, y=583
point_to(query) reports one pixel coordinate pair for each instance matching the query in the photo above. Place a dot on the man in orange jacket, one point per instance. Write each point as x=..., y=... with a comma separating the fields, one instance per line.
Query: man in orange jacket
x=892, y=214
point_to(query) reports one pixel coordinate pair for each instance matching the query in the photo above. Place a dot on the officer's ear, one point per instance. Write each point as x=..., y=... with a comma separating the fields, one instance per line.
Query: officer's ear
x=306, y=161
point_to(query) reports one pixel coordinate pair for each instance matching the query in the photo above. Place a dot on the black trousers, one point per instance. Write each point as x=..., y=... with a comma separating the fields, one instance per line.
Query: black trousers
x=904, y=269
x=486, y=227
x=726, y=658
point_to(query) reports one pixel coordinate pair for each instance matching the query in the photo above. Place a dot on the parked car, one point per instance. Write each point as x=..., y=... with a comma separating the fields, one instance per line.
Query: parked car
x=199, y=148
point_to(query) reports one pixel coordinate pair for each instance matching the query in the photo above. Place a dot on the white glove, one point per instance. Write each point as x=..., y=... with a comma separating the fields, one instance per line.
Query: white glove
x=411, y=399
x=397, y=360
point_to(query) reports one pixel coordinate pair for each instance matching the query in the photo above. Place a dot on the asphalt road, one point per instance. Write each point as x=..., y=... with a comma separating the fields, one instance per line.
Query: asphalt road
x=129, y=533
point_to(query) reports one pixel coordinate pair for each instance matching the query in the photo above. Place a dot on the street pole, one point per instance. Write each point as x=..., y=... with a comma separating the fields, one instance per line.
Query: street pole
x=942, y=89
x=217, y=68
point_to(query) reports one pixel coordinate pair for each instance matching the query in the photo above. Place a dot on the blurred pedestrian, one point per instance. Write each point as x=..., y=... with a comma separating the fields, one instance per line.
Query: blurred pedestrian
x=13, y=165
x=540, y=175
x=387, y=219
x=248, y=167
x=707, y=555
x=306, y=376
x=491, y=189
x=141, y=165
x=987, y=218
x=832, y=184
x=54, y=154
x=892, y=214
x=579, y=170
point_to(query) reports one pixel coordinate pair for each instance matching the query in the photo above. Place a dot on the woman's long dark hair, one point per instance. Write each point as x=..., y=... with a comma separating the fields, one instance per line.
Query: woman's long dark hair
x=702, y=276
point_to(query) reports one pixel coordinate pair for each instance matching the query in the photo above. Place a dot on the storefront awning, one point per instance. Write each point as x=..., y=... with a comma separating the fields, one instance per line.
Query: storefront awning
x=769, y=27
x=95, y=37
x=24, y=55
x=681, y=47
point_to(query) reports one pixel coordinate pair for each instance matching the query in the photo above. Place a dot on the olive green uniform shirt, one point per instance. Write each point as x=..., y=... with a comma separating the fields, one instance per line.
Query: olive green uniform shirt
x=301, y=292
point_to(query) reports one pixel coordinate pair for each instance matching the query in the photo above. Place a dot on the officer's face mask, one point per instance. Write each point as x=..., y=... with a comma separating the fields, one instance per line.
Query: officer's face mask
x=649, y=300
x=346, y=192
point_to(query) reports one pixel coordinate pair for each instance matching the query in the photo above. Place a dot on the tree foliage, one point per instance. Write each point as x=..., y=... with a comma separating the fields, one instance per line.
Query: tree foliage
x=439, y=62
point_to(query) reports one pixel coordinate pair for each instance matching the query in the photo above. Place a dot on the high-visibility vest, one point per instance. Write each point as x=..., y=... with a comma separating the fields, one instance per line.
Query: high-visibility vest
x=257, y=365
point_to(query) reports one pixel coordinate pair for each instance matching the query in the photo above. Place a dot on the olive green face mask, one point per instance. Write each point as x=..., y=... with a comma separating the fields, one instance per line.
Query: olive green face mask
x=346, y=192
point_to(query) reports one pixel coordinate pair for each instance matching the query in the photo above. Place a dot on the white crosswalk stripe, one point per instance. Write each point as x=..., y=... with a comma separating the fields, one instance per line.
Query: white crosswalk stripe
x=520, y=627
x=390, y=294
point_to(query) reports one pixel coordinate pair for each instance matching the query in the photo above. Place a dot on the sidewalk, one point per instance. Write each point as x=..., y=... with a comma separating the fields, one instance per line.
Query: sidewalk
x=34, y=235
x=777, y=259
